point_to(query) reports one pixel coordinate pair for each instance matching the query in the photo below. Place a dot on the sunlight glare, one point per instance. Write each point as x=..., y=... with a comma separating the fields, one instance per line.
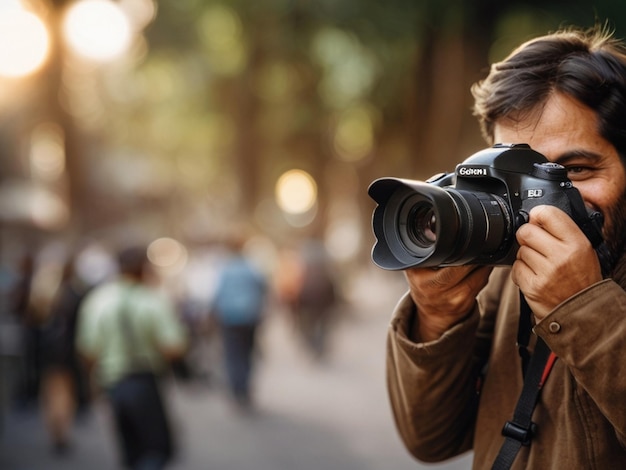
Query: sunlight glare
x=24, y=43
x=97, y=30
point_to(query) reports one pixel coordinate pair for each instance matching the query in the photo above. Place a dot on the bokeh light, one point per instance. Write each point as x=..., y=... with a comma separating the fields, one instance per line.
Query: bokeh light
x=354, y=134
x=343, y=239
x=221, y=33
x=140, y=12
x=296, y=192
x=97, y=29
x=47, y=210
x=24, y=43
x=168, y=255
x=350, y=69
x=47, y=154
x=95, y=264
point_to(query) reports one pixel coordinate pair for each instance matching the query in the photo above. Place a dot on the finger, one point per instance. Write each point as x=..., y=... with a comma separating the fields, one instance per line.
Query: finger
x=550, y=230
x=452, y=276
x=555, y=221
x=447, y=286
x=445, y=276
x=532, y=260
x=536, y=237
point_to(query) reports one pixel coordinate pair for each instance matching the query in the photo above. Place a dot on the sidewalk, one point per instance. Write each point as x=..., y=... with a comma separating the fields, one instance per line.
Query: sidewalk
x=310, y=416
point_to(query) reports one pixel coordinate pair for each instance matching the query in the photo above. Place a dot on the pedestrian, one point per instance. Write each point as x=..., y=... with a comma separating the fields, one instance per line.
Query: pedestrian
x=454, y=373
x=22, y=305
x=13, y=335
x=238, y=306
x=130, y=332
x=314, y=305
x=64, y=386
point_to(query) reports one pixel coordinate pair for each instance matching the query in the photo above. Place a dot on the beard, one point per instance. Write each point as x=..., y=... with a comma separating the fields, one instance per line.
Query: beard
x=614, y=233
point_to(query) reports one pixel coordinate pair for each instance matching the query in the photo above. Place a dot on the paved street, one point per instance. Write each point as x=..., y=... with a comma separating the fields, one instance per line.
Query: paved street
x=310, y=416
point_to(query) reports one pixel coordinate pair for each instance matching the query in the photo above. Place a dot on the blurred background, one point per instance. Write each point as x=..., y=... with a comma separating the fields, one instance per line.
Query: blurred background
x=177, y=123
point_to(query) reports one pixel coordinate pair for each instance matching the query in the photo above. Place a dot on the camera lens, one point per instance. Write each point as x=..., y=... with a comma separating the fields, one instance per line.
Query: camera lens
x=422, y=225
x=418, y=218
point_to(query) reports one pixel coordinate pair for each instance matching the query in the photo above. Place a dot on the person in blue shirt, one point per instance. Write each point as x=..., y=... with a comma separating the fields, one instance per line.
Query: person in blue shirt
x=238, y=306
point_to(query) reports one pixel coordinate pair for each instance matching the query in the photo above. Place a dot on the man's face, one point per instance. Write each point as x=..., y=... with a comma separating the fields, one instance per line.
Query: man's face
x=565, y=131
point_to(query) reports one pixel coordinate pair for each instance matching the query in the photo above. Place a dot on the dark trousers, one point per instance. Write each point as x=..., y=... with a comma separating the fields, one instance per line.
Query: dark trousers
x=239, y=341
x=141, y=421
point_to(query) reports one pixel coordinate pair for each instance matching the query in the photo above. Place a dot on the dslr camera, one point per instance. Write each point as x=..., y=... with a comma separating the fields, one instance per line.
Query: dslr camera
x=471, y=216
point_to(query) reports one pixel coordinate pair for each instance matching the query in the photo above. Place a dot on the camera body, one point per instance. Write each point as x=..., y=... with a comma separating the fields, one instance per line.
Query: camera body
x=471, y=216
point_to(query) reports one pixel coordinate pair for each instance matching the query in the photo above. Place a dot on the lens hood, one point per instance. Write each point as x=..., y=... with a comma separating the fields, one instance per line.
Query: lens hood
x=396, y=246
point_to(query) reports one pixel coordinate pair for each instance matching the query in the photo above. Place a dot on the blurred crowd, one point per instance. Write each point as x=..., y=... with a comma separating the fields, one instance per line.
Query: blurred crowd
x=53, y=338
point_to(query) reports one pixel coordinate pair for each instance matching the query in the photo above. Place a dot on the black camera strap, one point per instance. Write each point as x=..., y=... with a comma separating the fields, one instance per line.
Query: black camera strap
x=520, y=430
x=524, y=329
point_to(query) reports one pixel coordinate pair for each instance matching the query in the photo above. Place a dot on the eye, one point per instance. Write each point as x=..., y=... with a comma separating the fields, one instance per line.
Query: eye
x=578, y=172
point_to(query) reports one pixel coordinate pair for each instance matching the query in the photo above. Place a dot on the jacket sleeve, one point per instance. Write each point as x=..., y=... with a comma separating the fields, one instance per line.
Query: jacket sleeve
x=588, y=334
x=432, y=387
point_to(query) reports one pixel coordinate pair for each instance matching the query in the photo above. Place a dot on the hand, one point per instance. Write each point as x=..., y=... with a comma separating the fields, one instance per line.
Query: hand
x=555, y=260
x=444, y=296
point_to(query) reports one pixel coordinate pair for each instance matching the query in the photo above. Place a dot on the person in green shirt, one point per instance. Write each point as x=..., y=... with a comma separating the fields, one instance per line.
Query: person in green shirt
x=128, y=332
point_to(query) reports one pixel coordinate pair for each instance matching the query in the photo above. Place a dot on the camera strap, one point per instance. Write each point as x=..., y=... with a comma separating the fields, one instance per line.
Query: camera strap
x=520, y=430
x=524, y=329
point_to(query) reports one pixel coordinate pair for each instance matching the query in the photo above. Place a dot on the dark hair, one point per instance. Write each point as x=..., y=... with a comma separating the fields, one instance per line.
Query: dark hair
x=132, y=261
x=587, y=65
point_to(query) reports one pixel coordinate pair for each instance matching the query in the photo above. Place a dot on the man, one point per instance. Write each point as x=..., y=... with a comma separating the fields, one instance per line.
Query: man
x=454, y=373
x=130, y=332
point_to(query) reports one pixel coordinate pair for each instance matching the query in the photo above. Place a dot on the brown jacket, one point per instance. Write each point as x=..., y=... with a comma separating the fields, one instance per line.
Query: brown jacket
x=581, y=414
